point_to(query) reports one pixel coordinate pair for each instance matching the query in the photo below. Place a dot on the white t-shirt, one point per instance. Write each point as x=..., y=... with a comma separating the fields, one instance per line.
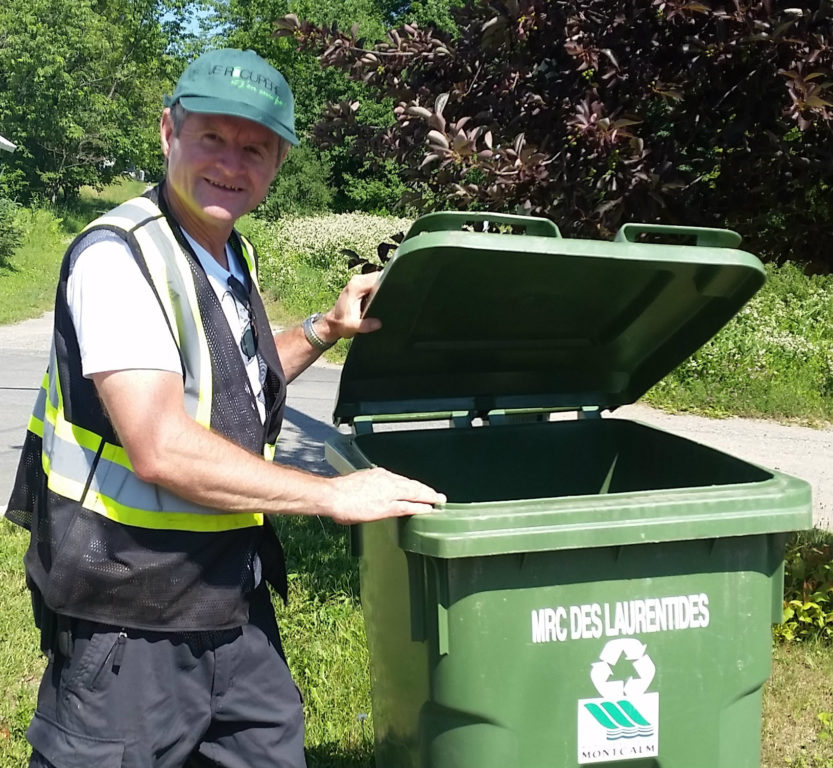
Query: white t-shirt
x=120, y=325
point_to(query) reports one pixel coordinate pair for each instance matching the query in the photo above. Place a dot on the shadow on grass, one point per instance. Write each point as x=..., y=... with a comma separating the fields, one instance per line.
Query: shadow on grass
x=318, y=551
x=333, y=757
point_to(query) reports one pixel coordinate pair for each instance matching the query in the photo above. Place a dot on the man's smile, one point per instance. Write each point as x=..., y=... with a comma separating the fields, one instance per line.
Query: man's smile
x=223, y=186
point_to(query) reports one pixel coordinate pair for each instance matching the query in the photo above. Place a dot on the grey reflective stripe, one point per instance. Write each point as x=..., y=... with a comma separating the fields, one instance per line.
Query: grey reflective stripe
x=54, y=394
x=39, y=409
x=166, y=262
x=112, y=480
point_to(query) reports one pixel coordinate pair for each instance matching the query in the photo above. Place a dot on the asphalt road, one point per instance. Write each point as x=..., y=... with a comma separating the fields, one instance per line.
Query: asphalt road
x=799, y=451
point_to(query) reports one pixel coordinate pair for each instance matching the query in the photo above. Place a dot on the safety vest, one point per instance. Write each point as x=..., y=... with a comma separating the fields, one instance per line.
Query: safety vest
x=105, y=545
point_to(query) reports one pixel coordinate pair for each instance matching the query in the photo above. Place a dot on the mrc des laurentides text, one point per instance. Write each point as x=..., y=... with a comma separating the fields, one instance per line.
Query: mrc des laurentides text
x=622, y=618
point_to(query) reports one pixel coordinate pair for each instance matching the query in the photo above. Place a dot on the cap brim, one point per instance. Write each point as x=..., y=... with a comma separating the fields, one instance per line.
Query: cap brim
x=207, y=105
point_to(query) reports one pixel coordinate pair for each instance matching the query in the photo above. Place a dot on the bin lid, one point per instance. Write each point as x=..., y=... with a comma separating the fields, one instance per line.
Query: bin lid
x=478, y=321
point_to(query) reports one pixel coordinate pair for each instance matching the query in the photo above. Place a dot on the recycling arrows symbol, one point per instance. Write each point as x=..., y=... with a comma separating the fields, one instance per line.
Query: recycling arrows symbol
x=634, y=651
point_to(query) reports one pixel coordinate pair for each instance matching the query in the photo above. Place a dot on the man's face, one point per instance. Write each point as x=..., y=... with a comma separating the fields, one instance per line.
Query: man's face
x=219, y=168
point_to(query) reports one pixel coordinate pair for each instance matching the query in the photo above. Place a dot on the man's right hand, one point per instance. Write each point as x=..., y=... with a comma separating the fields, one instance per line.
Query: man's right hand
x=373, y=494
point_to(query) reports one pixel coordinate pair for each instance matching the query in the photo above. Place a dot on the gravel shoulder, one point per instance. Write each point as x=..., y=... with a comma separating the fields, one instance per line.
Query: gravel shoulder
x=795, y=450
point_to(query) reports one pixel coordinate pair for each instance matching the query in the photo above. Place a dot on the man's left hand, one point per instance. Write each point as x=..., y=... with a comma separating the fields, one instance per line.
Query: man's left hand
x=346, y=319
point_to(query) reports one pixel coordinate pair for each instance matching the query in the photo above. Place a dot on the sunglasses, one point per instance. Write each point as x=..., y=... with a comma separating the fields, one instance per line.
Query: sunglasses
x=248, y=344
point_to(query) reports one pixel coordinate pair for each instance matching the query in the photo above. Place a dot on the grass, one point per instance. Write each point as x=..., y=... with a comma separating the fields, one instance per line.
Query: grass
x=21, y=663
x=773, y=360
x=27, y=284
x=798, y=708
x=323, y=633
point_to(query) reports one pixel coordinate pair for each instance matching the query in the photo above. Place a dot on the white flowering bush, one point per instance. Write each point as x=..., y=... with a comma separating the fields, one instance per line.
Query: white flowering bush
x=301, y=264
x=775, y=358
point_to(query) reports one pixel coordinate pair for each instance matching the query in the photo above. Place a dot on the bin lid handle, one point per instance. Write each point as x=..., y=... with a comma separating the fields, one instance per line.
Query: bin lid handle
x=703, y=236
x=457, y=221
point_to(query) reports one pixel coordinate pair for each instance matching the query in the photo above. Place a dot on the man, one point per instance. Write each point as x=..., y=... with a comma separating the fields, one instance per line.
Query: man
x=143, y=480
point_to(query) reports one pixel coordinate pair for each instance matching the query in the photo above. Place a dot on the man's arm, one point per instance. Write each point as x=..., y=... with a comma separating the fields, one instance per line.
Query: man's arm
x=343, y=321
x=167, y=447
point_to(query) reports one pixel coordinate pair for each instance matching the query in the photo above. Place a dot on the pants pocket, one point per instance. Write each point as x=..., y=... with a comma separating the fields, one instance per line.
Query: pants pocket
x=67, y=749
x=90, y=660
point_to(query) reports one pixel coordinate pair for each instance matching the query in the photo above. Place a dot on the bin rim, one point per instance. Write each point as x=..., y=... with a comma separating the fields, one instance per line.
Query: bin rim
x=777, y=503
x=583, y=522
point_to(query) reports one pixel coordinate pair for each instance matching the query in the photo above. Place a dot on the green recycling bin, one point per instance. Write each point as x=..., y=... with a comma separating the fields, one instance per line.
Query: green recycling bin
x=595, y=590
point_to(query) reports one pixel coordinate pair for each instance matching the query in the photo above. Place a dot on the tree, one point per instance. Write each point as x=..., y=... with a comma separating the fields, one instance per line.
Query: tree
x=80, y=90
x=357, y=182
x=595, y=112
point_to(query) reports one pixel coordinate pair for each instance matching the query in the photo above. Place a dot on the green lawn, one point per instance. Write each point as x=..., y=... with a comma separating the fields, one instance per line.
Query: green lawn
x=27, y=283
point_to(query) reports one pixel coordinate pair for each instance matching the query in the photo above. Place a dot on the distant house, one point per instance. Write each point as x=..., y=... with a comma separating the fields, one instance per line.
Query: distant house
x=7, y=145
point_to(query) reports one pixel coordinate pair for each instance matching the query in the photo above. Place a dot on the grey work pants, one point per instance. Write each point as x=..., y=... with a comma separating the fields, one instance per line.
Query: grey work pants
x=136, y=699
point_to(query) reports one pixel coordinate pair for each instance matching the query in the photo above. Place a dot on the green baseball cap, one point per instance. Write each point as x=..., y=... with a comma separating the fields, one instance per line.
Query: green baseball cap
x=240, y=84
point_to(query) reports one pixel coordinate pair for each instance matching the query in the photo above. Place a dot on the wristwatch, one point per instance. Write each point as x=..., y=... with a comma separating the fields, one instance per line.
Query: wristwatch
x=312, y=337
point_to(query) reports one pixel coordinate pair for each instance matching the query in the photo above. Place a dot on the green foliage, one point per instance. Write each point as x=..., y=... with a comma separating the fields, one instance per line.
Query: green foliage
x=301, y=187
x=363, y=183
x=10, y=229
x=428, y=13
x=775, y=358
x=354, y=183
x=372, y=188
x=80, y=91
x=808, y=588
x=301, y=264
x=27, y=281
x=333, y=675
x=21, y=663
x=594, y=113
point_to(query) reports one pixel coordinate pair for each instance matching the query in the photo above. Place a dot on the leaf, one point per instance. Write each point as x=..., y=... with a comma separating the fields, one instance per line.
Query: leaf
x=625, y=122
x=383, y=251
x=353, y=258
x=438, y=138
x=430, y=158
x=490, y=23
x=418, y=111
x=437, y=122
x=459, y=142
x=439, y=104
x=607, y=52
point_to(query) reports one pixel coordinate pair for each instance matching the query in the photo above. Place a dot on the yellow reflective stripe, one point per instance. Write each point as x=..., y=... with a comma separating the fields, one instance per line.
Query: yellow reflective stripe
x=249, y=255
x=142, y=518
x=127, y=215
x=35, y=426
x=72, y=433
x=117, y=455
x=269, y=450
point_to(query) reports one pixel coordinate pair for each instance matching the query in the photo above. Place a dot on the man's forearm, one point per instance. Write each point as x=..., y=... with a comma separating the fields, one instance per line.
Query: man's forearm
x=168, y=448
